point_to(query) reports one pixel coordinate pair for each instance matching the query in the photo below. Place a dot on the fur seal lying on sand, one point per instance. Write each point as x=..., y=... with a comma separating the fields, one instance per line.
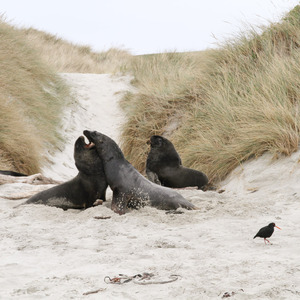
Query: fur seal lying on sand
x=130, y=188
x=83, y=190
x=164, y=166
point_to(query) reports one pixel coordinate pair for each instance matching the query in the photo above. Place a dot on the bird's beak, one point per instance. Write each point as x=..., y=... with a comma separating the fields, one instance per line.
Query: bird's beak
x=278, y=227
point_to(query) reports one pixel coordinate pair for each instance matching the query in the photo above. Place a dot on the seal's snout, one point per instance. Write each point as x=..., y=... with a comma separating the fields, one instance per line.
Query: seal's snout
x=152, y=141
x=90, y=145
x=87, y=133
x=92, y=135
x=156, y=141
x=81, y=144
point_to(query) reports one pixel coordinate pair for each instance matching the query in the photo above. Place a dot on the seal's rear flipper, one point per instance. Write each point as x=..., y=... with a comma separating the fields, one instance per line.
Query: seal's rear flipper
x=19, y=205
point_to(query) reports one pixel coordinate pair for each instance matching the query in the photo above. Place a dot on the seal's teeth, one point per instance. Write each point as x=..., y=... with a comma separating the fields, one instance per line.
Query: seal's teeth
x=90, y=145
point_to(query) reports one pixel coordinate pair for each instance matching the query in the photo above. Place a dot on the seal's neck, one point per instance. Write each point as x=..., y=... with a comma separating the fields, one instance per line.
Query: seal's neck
x=91, y=179
x=113, y=153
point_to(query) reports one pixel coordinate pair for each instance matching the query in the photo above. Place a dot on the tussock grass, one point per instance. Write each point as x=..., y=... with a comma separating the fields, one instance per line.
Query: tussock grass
x=228, y=105
x=165, y=89
x=32, y=94
x=68, y=57
x=31, y=97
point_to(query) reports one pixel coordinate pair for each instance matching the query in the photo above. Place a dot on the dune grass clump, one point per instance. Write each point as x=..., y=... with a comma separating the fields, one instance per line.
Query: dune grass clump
x=32, y=94
x=229, y=104
x=68, y=57
x=31, y=97
x=165, y=90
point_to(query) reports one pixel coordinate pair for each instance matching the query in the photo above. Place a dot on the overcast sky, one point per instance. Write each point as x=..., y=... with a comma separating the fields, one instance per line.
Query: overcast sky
x=143, y=26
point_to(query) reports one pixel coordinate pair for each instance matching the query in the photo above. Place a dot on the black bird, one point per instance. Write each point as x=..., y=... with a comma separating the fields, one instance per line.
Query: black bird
x=266, y=232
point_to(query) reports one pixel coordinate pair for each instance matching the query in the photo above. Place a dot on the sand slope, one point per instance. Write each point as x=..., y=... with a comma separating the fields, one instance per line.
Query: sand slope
x=48, y=253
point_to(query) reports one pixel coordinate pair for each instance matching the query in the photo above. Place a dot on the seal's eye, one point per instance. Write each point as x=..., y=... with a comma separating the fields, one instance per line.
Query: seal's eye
x=159, y=142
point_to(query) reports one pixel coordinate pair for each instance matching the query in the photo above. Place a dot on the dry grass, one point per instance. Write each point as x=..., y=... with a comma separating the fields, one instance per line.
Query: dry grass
x=67, y=57
x=219, y=107
x=166, y=87
x=229, y=104
x=31, y=95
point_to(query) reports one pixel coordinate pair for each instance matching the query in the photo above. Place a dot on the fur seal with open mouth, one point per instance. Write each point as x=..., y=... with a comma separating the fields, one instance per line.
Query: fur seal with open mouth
x=130, y=188
x=164, y=166
x=83, y=190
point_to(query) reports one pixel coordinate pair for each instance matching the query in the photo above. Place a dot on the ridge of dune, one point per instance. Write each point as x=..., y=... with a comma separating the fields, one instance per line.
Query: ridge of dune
x=48, y=253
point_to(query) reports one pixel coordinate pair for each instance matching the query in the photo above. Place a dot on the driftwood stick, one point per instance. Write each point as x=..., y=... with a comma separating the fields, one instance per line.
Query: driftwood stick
x=93, y=292
x=32, y=179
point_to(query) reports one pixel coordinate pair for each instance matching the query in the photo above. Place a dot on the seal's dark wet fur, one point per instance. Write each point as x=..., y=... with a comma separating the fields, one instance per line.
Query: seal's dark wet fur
x=164, y=166
x=130, y=188
x=82, y=191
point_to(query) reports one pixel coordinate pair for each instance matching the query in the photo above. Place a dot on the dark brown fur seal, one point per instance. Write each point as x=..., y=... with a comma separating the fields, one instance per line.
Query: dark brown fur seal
x=83, y=190
x=130, y=188
x=164, y=166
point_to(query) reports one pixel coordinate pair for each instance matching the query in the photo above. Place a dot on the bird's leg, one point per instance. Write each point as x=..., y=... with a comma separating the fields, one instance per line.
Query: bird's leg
x=267, y=241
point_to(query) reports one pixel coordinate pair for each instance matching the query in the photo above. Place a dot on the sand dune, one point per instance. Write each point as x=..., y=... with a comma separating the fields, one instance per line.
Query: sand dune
x=48, y=253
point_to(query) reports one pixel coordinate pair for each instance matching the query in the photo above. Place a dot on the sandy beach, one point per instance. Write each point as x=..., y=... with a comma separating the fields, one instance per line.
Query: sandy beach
x=48, y=253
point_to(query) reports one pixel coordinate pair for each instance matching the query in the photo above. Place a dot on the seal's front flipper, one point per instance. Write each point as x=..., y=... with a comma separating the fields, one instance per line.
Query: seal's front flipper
x=152, y=177
x=119, y=202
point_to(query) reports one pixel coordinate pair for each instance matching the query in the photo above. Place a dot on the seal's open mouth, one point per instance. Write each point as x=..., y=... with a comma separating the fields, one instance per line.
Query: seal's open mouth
x=90, y=139
x=90, y=145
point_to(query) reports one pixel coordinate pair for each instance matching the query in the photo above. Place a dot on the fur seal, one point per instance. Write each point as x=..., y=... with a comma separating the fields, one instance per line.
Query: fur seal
x=12, y=173
x=83, y=190
x=164, y=166
x=130, y=188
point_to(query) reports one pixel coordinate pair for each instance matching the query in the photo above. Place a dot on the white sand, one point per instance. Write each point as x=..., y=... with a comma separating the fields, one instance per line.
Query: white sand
x=94, y=107
x=48, y=253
